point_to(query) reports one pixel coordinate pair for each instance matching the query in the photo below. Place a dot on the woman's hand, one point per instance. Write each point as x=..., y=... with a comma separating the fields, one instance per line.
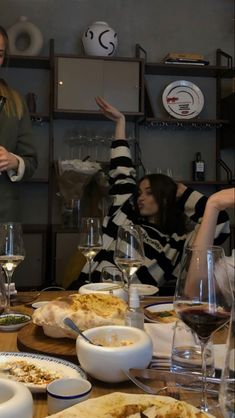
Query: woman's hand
x=108, y=110
x=180, y=189
x=8, y=161
x=114, y=114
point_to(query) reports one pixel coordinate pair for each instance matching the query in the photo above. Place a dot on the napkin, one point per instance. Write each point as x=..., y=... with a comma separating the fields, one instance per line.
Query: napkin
x=162, y=337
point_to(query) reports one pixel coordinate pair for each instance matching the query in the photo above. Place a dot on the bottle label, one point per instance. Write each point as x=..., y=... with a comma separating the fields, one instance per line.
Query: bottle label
x=200, y=166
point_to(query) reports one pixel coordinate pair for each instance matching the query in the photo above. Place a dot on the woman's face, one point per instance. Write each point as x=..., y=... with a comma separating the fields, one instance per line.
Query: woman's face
x=2, y=49
x=146, y=202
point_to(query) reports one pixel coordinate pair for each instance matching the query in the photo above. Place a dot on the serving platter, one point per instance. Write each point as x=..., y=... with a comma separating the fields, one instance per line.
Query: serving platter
x=56, y=367
x=32, y=338
x=183, y=99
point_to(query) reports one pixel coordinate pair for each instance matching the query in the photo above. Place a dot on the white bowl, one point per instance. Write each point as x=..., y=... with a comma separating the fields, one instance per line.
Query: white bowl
x=107, y=363
x=15, y=400
x=100, y=288
x=63, y=393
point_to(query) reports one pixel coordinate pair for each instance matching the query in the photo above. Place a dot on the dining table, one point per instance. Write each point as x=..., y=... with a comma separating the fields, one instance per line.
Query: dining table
x=9, y=343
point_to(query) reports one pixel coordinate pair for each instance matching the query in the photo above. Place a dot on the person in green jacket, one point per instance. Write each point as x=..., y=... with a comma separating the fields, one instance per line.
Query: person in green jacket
x=18, y=157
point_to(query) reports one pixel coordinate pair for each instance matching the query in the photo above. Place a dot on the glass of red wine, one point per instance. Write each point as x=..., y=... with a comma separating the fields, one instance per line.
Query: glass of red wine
x=203, y=298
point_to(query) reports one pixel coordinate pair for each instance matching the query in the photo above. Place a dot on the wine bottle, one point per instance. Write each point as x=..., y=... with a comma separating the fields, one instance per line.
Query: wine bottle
x=198, y=168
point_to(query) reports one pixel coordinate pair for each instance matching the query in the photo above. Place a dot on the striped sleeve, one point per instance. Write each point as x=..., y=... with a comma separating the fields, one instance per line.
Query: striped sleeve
x=122, y=173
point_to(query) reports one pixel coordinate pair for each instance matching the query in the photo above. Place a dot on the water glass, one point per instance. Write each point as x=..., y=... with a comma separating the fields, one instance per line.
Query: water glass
x=186, y=353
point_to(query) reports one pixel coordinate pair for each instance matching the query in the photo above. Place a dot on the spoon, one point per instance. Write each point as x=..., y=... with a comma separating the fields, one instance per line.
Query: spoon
x=69, y=322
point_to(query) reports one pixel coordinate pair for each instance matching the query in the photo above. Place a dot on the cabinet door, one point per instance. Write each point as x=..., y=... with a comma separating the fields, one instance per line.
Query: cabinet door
x=30, y=273
x=121, y=84
x=79, y=81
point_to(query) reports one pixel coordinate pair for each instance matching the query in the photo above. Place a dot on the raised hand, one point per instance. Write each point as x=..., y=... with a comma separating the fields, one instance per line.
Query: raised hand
x=108, y=110
x=114, y=114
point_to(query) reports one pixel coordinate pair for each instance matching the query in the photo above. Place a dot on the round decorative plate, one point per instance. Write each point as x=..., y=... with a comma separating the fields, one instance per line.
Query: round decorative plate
x=183, y=99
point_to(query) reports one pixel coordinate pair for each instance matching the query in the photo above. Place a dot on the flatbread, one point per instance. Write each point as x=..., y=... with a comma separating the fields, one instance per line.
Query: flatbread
x=87, y=311
x=126, y=405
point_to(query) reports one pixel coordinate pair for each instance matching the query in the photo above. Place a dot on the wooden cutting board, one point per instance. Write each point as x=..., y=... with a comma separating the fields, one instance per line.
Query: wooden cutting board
x=31, y=338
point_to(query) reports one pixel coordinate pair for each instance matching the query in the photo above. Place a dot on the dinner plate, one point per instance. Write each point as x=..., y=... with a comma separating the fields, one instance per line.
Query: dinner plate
x=183, y=99
x=57, y=367
x=37, y=305
x=14, y=327
x=145, y=289
x=157, y=307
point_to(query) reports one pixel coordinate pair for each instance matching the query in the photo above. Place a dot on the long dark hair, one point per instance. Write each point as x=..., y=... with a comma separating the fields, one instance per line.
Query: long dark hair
x=169, y=218
x=3, y=32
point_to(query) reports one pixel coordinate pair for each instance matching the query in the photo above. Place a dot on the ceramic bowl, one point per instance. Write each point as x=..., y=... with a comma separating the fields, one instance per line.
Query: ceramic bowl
x=106, y=363
x=63, y=393
x=15, y=400
x=101, y=288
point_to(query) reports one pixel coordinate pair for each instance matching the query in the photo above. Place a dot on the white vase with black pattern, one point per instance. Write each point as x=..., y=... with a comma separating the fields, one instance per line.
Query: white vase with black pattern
x=100, y=39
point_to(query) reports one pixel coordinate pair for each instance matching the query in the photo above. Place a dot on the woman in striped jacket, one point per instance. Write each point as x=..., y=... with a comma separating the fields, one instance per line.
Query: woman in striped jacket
x=168, y=213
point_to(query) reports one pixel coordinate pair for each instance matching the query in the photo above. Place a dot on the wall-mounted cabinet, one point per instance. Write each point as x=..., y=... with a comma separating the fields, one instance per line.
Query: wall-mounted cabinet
x=78, y=80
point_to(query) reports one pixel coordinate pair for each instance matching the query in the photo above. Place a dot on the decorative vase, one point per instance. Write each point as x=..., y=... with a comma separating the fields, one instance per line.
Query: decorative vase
x=100, y=39
x=31, y=31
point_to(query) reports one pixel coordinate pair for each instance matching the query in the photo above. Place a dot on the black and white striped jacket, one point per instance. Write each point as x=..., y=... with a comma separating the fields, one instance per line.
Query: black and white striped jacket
x=162, y=252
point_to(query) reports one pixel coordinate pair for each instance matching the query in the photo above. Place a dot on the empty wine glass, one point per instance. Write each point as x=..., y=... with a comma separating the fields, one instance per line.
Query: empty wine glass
x=90, y=239
x=113, y=276
x=129, y=251
x=227, y=387
x=12, y=251
x=202, y=300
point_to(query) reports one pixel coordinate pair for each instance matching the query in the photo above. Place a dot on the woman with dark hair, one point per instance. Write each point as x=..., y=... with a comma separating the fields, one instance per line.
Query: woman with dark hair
x=168, y=213
x=18, y=159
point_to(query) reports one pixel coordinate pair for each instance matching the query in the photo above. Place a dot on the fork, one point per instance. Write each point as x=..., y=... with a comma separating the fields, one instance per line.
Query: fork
x=145, y=388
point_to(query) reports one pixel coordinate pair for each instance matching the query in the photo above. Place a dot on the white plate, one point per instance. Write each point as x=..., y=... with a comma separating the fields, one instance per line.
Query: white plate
x=14, y=327
x=37, y=305
x=183, y=99
x=158, y=307
x=120, y=292
x=145, y=289
x=50, y=364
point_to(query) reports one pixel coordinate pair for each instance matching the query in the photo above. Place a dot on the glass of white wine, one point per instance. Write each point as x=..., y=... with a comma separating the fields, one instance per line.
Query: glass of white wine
x=129, y=251
x=90, y=239
x=12, y=251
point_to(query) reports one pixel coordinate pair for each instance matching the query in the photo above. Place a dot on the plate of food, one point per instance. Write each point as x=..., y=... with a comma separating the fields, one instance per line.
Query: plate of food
x=13, y=321
x=145, y=289
x=183, y=99
x=36, y=370
x=130, y=405
x=163, y=313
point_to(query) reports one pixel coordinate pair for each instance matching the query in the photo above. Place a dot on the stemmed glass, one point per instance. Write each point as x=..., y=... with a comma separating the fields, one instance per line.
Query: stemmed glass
x=203, y=298
x=90, y=239
x=227, y=387
x=12, y=251
x=129, y=251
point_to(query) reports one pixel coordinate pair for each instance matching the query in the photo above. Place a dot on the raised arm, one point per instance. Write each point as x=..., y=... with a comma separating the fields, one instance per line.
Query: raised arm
x=215, y=204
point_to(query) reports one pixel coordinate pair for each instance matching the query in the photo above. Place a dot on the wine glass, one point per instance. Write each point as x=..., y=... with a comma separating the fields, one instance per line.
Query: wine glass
x=112, y=276
x=12, y=251
x=202, y=300
x=227, y=386
x=129, y=251
x=90, y=239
